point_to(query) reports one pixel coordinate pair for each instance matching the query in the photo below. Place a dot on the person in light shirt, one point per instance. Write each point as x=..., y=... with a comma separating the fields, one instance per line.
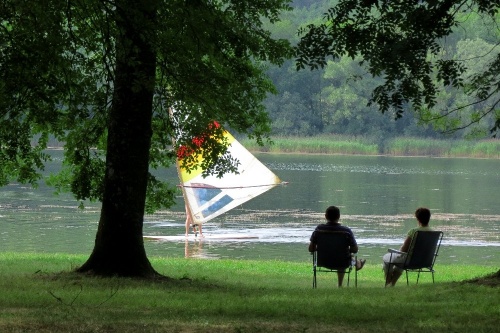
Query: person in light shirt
x=392, y=272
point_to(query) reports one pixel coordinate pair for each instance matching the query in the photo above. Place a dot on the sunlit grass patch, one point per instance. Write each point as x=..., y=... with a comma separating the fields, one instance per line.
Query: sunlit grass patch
x=40, y=293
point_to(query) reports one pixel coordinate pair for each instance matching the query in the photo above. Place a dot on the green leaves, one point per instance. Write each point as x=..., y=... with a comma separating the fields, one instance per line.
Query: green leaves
x=58, y=75
x=20, y=160
x=450, y=72
x=402, y=42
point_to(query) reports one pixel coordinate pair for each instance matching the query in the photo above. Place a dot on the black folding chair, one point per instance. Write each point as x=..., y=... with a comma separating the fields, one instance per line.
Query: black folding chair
x=333, y=254
x=422, y=254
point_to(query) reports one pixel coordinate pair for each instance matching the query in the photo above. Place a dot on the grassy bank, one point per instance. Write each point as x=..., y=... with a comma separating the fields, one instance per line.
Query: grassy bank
x=337, y=144
x=40, y=295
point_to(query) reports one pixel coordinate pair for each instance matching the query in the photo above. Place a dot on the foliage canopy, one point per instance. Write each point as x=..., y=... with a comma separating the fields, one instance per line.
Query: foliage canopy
x=58, y=70
x=102, y=77
x=404, y=43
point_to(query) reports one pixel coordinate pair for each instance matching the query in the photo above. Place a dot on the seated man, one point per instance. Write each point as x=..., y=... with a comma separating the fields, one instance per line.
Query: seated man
x=392, y=272
x=332, y=216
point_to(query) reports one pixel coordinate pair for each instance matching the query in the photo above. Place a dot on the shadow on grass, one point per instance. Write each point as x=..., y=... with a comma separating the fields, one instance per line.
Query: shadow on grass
x=491, y=280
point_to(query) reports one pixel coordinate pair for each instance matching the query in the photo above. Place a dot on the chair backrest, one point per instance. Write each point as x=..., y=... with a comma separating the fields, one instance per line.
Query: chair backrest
x=423, y=249
x=332, y=249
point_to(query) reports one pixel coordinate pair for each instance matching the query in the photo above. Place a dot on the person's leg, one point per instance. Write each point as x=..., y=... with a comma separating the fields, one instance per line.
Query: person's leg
x=360, y=263
x=396, y=274
x=188, y=221
x=188, y=224
x=340, y=277
x=387, y=267
x=389, y=279
x=392, y=273
x=357, y=263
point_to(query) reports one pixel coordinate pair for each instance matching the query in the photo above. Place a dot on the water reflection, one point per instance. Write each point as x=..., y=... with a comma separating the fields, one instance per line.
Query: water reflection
x=288, y=240
x=377, y=197
x=194, y=249
x=369, y=229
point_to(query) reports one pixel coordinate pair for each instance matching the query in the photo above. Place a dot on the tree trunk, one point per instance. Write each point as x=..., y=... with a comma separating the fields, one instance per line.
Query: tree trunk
x=119, y=246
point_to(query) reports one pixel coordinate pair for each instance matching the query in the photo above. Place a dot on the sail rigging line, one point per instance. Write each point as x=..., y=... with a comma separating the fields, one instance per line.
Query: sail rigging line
x=207, y=197
x=189, y=210
x=231, y=187
x=211, y=196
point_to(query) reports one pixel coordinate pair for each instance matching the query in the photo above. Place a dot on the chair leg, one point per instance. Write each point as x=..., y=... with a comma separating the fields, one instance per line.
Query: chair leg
x=407, y=281
x=418, y=275
x=314, y=279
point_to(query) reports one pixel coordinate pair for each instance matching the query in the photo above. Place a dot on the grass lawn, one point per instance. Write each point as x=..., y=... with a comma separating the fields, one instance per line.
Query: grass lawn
x=41, y=294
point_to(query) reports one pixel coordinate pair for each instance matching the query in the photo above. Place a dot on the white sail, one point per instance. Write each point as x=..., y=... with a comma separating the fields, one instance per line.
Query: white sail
x=209, y=197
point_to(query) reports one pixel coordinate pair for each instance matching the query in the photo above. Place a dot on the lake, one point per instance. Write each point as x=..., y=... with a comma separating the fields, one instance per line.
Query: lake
x=377, y=196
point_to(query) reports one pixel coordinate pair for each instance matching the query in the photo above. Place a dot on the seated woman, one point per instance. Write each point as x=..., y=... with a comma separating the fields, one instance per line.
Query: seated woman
x=392, y=272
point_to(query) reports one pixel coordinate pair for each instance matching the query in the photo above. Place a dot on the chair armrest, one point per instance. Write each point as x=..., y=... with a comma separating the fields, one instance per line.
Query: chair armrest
x=395, y=251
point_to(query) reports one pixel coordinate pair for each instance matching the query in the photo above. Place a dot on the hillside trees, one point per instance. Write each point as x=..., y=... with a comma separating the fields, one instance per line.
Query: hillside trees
x=345, y=95
x=404, y=43
x=296, y=109
x=101, y=76
x=313, y=94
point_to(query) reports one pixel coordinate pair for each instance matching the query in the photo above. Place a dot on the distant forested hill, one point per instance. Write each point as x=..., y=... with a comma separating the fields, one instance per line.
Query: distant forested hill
x=334, y=100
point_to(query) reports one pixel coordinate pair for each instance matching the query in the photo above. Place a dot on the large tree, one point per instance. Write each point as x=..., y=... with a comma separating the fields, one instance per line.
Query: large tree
x=101, y=76
x=404, y=42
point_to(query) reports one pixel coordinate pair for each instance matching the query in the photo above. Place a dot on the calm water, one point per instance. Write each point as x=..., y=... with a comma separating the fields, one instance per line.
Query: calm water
x=377, y=197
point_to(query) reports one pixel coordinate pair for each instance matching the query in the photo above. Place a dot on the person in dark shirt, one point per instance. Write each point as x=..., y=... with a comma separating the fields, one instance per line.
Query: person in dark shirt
x=332, y=216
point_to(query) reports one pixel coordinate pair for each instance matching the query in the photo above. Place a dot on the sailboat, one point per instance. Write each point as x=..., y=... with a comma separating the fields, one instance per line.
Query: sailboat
x=210, y=196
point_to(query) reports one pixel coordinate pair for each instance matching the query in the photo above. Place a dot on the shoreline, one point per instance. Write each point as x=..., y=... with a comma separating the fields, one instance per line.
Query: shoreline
x=371, y=155
x=396, y=147
x=352, y=146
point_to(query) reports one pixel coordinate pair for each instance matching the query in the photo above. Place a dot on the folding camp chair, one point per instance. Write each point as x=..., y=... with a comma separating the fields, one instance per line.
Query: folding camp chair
x=332, y=254
x=422, y=255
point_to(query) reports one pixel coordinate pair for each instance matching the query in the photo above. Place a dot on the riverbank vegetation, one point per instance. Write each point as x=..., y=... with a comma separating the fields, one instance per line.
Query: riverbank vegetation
x=40, y=294
x=402, y=146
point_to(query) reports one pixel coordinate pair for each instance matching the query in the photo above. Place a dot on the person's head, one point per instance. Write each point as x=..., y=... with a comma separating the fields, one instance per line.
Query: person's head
x=423, y=215
x=332, y=214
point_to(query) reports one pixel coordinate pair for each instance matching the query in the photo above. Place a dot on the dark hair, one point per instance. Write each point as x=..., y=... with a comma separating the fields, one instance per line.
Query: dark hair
x=423, y=215
x=332, y=213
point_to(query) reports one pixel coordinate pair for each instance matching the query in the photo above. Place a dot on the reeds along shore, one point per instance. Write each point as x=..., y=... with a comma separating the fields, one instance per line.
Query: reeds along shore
x=406, y=146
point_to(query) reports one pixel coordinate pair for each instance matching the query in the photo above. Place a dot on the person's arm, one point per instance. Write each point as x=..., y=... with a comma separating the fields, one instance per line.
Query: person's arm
x=312, y=247
x=354, y=245
x=406, y=245
x=312, y=242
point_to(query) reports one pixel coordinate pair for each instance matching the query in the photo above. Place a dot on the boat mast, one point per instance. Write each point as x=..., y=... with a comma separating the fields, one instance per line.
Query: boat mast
x=189, y=211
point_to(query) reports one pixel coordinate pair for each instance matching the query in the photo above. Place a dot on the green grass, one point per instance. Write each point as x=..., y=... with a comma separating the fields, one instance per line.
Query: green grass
x=334, y=144
x=40, y=294
x=338, y=144
x=444, y=148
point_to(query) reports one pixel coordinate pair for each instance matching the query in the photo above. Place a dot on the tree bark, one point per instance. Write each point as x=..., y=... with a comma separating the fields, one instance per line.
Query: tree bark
x=119, y=245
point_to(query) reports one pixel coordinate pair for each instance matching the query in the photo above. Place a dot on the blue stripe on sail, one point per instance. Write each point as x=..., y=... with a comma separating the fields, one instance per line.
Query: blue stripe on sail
x=203, y=195
x=219, y=204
